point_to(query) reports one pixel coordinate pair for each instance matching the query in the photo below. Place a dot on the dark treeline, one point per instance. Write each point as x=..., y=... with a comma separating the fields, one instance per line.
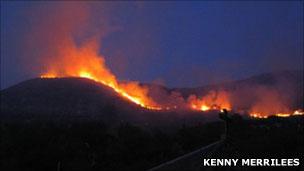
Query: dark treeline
x=93, y=145
x=42, y=145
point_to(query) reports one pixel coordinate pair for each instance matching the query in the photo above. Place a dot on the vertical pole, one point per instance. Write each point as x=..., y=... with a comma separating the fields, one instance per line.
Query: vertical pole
x=58, y=166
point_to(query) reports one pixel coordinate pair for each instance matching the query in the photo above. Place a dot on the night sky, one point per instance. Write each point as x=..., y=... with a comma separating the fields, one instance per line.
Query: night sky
x=178, y=44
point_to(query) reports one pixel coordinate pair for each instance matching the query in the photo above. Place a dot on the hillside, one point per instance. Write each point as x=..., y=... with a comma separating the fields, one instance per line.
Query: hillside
x=79, y=124
x=274, y=79
x=80, y=98
x=287, y=85
x=63, y=97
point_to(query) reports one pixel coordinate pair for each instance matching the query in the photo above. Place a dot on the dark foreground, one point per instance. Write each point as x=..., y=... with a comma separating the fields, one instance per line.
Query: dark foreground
x=45, y=145
x=273, y=138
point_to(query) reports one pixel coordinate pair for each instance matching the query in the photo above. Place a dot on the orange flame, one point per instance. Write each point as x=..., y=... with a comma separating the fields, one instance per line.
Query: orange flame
x=85, y=62
x=48, y=75
x=212, y=101
x=284, y=115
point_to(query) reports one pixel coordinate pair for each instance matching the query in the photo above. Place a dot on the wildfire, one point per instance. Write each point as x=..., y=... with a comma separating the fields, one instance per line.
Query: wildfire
x=136, y=100
x=284, y=115
x=258, y=115
x=298, y=112
x=87, y=75
x=48, y=76
x=87, y=63
x=212, y=101
x=84, y=61
x=205, y=108
x=65, y=49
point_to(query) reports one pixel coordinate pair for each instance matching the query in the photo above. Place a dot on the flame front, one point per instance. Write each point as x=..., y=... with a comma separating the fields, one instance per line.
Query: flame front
x=212, y=101
x=284, y=115
x=85, y=62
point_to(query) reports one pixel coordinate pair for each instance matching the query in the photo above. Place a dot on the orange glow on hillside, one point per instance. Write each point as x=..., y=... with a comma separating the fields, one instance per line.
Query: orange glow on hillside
x=212, y=101
x=84, y=61
x=48, y=75
x=205, y=108
x=284, y=115
x=87, y=63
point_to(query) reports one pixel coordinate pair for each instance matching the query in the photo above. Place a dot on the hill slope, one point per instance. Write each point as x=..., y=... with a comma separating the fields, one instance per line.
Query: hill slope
x=79, y=98
x=63, y=97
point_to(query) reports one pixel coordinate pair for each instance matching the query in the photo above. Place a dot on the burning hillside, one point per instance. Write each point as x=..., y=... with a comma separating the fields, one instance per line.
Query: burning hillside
x=84, y=60
x=87, y=63
x=64, y=45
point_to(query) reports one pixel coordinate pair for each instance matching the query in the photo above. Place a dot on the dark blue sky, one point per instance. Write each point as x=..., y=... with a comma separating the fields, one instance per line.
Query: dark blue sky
x=178, y=44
